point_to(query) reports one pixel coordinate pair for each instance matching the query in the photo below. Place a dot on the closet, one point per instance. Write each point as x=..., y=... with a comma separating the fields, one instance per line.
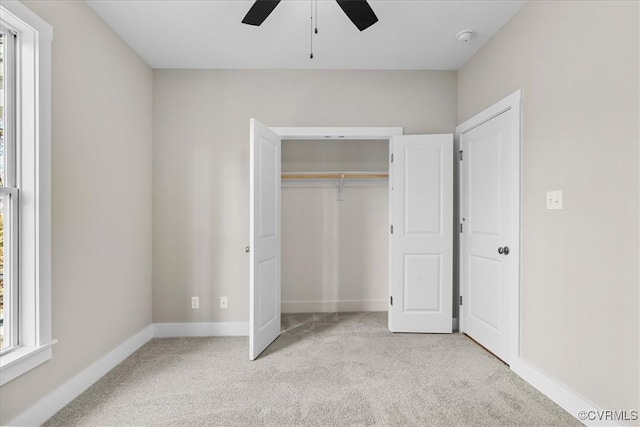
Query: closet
x=335, y=216
x=418, y=226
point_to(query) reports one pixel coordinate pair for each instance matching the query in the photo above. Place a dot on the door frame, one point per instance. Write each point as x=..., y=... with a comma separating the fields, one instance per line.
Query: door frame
x=338, y=133
x=510, y=103
x=347, y=133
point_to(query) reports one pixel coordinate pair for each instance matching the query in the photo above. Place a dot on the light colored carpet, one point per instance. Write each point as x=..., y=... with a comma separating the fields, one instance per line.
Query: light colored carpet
x=324, y=370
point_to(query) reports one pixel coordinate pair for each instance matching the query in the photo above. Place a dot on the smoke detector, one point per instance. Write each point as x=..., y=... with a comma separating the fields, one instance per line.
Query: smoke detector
x=464, y=36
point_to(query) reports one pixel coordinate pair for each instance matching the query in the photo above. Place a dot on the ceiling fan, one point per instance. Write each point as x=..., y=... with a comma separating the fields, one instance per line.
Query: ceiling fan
x=358, y=11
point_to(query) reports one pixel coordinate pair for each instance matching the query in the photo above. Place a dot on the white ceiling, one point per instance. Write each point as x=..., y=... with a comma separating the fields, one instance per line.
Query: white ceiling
x=410, y=35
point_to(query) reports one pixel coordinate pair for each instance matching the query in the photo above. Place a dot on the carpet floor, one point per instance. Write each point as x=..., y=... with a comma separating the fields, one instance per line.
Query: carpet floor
x=329, y=369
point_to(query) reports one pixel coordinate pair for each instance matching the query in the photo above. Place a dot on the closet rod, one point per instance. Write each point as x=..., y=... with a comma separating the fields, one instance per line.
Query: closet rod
x=334, y=175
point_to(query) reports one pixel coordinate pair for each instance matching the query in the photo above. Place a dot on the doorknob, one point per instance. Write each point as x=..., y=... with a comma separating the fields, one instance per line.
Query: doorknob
x=504, y=250
x=247, y=249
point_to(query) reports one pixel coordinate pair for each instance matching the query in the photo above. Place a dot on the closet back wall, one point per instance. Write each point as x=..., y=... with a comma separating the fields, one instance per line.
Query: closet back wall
x=335, y=252
x=201, y=163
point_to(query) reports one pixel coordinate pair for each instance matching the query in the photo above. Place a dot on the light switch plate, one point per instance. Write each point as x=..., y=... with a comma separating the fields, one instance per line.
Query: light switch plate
x=554, y=199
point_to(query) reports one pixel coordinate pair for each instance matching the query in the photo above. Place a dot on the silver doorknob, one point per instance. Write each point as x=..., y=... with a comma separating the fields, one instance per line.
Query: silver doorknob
x=247, y=249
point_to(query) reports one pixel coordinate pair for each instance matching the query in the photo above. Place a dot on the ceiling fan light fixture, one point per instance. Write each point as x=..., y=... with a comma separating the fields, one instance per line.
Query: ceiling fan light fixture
x=464, y=36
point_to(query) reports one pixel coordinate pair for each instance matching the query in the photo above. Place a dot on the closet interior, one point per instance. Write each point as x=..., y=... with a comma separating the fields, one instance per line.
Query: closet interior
x=335, y=216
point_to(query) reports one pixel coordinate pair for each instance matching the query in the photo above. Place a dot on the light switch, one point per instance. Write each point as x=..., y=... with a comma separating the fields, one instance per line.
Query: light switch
x=554, y=199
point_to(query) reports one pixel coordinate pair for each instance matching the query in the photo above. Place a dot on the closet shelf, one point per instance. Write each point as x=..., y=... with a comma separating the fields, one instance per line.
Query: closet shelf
x=335, y=175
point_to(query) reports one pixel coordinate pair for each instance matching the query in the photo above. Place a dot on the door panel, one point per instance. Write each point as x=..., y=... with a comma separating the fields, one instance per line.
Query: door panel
x=489, y=201
x=268, y=185
x=422, y=269
x=265, y=235
x=421, y=181
x=484, y=276
x=423, y=210
x=267, y=292
x=484, y=179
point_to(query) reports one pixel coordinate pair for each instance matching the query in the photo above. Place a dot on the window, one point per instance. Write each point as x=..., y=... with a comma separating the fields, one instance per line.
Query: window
x=25, y=218
x=9, y=203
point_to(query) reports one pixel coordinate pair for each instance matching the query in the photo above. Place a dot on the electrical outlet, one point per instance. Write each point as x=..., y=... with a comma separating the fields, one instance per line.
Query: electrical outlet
x=223, y=302
x=554, y=200
x=195, y=302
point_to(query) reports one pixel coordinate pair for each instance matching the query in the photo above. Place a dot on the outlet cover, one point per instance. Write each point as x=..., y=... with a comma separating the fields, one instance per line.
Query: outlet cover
x=195, y=302
x=554, y=199
x=223, y=302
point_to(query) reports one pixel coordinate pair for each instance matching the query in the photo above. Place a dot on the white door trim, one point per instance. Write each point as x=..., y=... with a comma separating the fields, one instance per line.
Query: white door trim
x=513, y=103
x=337, y=132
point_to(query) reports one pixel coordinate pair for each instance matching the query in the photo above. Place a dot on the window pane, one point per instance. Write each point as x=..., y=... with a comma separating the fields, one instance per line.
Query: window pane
x=8, y=330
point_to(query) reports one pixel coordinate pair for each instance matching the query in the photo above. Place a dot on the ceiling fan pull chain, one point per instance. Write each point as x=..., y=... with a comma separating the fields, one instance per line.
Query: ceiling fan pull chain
x=316, y=30
x=311, y=32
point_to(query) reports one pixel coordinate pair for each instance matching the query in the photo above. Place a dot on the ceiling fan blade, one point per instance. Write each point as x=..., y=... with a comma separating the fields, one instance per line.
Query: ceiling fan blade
x=359, y=12
x=260, y=10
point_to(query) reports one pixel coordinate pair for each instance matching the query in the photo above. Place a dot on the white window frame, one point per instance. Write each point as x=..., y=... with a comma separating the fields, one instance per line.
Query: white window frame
x=9, y=190
x=33, y=142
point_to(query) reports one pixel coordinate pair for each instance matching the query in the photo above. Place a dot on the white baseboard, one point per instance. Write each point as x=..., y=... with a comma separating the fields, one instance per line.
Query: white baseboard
x=333, y=306
x=40, y=412
x=561, y=395
x=209, y=329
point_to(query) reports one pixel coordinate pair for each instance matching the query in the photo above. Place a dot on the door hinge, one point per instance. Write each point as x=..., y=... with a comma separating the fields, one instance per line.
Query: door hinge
x=392, y=229
x=391, y=157
x=391, y=300
x=460, y=299
x=460, y=155
x=460, y=227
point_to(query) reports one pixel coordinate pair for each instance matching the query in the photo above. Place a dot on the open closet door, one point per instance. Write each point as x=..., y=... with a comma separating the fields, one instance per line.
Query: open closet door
x=265, y=236
x=421, y=184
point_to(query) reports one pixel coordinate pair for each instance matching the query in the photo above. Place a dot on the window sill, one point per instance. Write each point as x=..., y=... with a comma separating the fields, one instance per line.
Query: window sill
x=22, y=360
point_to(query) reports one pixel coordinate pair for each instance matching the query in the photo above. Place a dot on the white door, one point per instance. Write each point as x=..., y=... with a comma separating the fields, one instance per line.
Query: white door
x=265, y=235
x=489, y=242
x=421, y=191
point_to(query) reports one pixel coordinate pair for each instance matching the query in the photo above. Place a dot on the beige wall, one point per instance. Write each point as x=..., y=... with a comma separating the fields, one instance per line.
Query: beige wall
x=577, y=63
x=201, y=163
x=335, y=250
x=101, y=198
